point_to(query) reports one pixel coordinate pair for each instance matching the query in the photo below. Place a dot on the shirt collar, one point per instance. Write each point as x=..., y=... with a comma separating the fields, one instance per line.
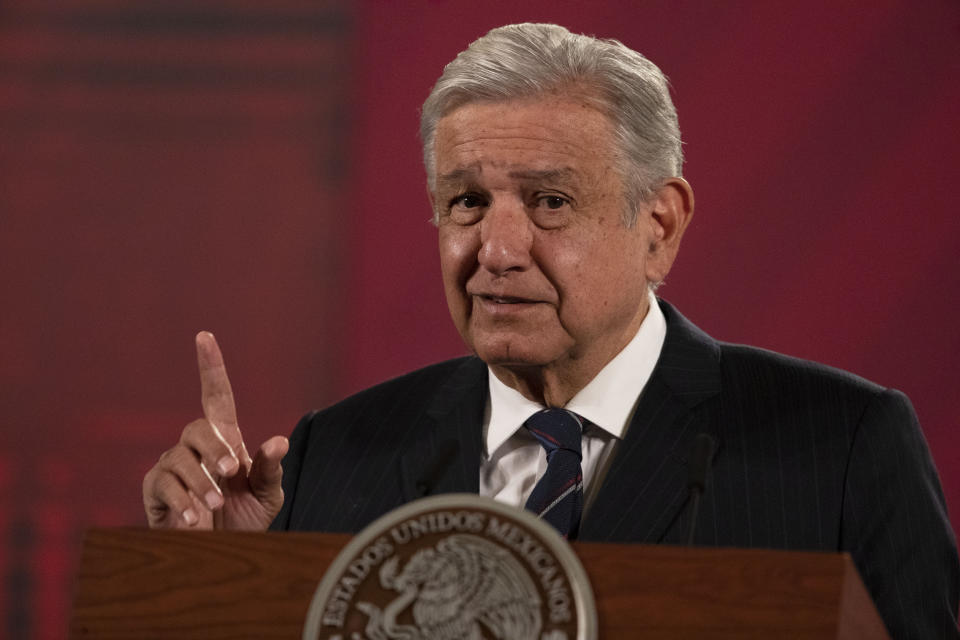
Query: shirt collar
x=607, y=401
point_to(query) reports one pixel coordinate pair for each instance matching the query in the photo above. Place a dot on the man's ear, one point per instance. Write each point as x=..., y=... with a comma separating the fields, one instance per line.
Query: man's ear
x=672, y=209
x=433, y=206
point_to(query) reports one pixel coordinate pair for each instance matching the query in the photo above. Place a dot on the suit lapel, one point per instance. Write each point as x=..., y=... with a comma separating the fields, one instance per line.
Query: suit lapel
x=444, y=456
x=645, y=487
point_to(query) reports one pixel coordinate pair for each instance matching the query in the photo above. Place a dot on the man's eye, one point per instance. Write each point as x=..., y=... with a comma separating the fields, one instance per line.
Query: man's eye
x=467, y=201
x=552, y=202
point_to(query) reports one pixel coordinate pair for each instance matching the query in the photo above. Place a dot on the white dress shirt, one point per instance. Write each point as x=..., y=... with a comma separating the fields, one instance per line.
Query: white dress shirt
x=513, y=460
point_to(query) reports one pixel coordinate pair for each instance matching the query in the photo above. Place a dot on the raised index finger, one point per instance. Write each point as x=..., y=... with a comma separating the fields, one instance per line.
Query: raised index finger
x=215, y=392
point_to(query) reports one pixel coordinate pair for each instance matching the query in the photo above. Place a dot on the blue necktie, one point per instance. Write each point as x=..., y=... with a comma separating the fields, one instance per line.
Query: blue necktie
x=558, y=495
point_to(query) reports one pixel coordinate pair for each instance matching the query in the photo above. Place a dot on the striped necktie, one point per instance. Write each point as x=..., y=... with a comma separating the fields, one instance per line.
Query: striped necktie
x=558, y=495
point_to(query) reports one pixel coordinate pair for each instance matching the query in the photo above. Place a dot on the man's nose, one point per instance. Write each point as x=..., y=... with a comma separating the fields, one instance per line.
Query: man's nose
x=506, y=238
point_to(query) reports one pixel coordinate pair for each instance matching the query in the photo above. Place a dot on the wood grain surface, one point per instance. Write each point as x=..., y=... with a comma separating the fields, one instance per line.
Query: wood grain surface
x=136, y=583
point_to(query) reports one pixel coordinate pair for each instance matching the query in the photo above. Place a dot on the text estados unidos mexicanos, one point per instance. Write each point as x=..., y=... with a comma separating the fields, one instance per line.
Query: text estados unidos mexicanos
x=552, y=579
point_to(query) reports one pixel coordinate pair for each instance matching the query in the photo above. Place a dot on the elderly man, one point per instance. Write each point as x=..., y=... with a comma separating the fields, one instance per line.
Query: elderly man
x=553, y=163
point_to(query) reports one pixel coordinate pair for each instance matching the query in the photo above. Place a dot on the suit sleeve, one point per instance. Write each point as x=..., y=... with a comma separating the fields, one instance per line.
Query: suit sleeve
x=895, y=523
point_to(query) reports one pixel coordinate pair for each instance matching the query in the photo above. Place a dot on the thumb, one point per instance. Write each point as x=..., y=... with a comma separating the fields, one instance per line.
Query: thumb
x=266, y=473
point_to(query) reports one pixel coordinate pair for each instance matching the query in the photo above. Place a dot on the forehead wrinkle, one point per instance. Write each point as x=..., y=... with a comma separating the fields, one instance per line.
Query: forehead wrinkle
x=543, y=175
x=459, y=175
x=484, y=142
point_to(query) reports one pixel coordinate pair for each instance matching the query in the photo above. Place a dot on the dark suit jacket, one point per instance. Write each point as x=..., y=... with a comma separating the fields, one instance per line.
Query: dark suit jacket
x=808, y=457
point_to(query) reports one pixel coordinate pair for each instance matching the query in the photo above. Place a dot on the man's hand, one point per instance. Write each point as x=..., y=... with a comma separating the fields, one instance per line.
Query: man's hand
x=208, y=480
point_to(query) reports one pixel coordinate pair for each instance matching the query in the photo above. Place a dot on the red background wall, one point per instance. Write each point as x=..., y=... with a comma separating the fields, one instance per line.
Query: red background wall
x=254, y=170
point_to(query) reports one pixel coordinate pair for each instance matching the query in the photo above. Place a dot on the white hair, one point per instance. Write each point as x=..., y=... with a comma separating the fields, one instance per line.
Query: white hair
x=527, y=60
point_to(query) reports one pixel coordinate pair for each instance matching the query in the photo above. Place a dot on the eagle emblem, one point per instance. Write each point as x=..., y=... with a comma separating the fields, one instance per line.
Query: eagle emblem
x=465, y=587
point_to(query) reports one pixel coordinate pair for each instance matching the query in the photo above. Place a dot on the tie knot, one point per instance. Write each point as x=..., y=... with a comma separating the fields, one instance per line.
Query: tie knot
x=556, y=429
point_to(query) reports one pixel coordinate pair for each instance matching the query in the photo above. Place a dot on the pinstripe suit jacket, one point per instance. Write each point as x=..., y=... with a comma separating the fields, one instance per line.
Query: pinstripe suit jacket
x=808, y=458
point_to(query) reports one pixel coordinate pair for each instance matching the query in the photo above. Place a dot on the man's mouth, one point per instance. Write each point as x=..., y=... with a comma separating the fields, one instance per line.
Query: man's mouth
x=495, y=306
x=505, y=299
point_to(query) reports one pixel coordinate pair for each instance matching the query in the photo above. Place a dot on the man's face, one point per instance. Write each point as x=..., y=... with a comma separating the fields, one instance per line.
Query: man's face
x=538, y=268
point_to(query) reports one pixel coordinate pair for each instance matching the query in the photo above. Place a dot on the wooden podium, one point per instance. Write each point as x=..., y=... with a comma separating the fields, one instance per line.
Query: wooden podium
x=137, y=583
